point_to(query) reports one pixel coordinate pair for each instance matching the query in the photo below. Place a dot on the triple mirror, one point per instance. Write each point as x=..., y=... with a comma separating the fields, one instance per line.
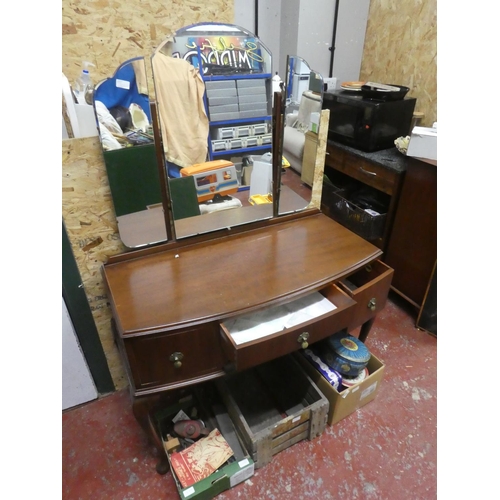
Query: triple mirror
x=213, y=99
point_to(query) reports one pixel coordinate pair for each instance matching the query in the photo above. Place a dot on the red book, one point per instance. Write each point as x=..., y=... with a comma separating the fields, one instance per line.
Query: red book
x=200, y=459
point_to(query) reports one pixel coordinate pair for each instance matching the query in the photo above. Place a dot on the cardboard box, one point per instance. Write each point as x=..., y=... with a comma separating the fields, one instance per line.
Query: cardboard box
x=423, y=143
x=342, y=404
x=223, y=479
x=226, y=476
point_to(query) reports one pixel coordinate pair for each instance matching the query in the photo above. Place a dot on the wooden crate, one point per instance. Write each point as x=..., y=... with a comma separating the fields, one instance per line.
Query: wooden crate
x=274, y=406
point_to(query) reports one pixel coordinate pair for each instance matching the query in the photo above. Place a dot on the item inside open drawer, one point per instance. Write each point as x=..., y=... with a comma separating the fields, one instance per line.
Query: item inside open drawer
x=251, y=339
x=265, y=322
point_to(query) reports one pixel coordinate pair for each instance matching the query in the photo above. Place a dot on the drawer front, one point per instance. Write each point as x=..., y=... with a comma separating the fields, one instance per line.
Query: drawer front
x=369, y=173
x=252, y=353
x=369, y=287
x=164, y=359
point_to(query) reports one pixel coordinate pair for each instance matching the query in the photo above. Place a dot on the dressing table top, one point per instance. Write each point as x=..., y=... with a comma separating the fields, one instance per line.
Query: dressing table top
x=219, y=278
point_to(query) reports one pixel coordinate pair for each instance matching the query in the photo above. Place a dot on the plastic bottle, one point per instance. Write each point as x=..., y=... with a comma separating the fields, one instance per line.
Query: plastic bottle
x=276, y=83
x=83, y=83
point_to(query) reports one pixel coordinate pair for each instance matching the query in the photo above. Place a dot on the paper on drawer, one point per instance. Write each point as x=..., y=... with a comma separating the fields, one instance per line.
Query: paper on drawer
x=256, y=325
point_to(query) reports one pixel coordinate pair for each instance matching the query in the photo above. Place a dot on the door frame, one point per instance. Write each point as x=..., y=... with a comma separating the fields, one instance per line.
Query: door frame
x=82, y=319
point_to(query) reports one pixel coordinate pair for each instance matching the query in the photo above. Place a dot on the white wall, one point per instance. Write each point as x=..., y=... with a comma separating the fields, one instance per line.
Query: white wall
x=244, y=14
x=305, y=28
x=315, y=30
x=268, y=23
x=351, y=29
x=288, y=29
x=77, y=383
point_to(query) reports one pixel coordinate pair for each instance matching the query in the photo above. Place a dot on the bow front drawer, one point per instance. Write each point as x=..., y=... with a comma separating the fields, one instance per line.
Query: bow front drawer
x=254, y=338
x=369, y=288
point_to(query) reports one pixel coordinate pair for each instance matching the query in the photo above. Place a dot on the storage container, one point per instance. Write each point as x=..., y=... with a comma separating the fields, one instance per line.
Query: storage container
x=365, y=222
x=274, y=406
x=343, y=403
x=345, y=354
x=205, y=402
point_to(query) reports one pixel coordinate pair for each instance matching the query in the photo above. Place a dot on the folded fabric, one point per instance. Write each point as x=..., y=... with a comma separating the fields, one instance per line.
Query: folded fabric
x=183, y=120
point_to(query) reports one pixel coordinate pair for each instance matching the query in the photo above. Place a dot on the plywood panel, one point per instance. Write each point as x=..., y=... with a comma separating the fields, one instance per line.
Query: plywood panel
x=107, y=32
x=401, y=48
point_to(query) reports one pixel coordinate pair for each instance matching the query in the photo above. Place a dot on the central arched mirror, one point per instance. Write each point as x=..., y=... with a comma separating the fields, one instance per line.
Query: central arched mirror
x=208, y=162
x=214, y=93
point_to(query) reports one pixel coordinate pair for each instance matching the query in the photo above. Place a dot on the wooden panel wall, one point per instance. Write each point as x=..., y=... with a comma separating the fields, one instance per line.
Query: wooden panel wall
x=107, y=33
x=401, y=48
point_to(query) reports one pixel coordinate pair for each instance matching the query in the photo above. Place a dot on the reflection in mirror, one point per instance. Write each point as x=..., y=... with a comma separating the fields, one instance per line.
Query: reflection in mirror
x=213, y=87
x=123, y=113
x=304, y=96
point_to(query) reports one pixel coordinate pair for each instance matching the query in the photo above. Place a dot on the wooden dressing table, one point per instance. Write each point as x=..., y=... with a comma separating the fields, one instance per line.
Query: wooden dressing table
x=170, y=302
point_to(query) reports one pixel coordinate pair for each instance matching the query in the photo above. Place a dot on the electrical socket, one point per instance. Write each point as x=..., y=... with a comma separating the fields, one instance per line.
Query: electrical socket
x=330, y=84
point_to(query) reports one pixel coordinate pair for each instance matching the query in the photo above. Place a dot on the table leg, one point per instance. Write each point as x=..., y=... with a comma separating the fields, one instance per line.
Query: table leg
x=141, y=409
x=365, y=329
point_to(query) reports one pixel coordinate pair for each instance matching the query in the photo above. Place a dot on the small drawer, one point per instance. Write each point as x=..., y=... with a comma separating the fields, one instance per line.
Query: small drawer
x=270, y=339
x=274, y=406
x=167, y=358
x=369, y=287
x=369, y=173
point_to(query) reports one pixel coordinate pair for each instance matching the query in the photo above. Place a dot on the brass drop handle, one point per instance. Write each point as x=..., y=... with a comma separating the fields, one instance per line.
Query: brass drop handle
x=303, y=340
x=176, y=358
x=372, y=304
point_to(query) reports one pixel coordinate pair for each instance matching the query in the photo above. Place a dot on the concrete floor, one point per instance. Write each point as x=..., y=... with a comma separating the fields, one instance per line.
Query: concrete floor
x=385, y=450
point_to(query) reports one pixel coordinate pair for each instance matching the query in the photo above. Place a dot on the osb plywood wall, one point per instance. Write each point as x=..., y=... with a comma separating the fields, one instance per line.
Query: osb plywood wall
x=401, y=48
x=106, y=33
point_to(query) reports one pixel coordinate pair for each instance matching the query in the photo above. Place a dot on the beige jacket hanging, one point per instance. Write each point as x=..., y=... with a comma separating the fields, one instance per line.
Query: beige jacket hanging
x=184, y=123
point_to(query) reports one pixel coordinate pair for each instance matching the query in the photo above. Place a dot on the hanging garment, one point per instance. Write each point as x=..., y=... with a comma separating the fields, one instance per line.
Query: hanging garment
x=184, y=122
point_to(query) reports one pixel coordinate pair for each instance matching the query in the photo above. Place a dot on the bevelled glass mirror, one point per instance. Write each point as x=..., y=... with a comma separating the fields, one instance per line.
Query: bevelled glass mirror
x=123, y=114
x=303, y=103
x=200, y=153
x=213, y=84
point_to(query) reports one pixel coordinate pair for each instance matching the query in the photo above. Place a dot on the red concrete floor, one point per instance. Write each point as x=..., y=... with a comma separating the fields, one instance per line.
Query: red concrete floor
x=385, y=450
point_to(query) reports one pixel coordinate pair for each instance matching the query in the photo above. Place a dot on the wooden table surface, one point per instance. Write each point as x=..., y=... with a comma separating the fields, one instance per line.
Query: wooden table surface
x=234, y=274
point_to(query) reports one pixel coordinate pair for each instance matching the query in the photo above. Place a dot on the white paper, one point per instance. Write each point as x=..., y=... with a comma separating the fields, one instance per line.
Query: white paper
x=268, y=321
